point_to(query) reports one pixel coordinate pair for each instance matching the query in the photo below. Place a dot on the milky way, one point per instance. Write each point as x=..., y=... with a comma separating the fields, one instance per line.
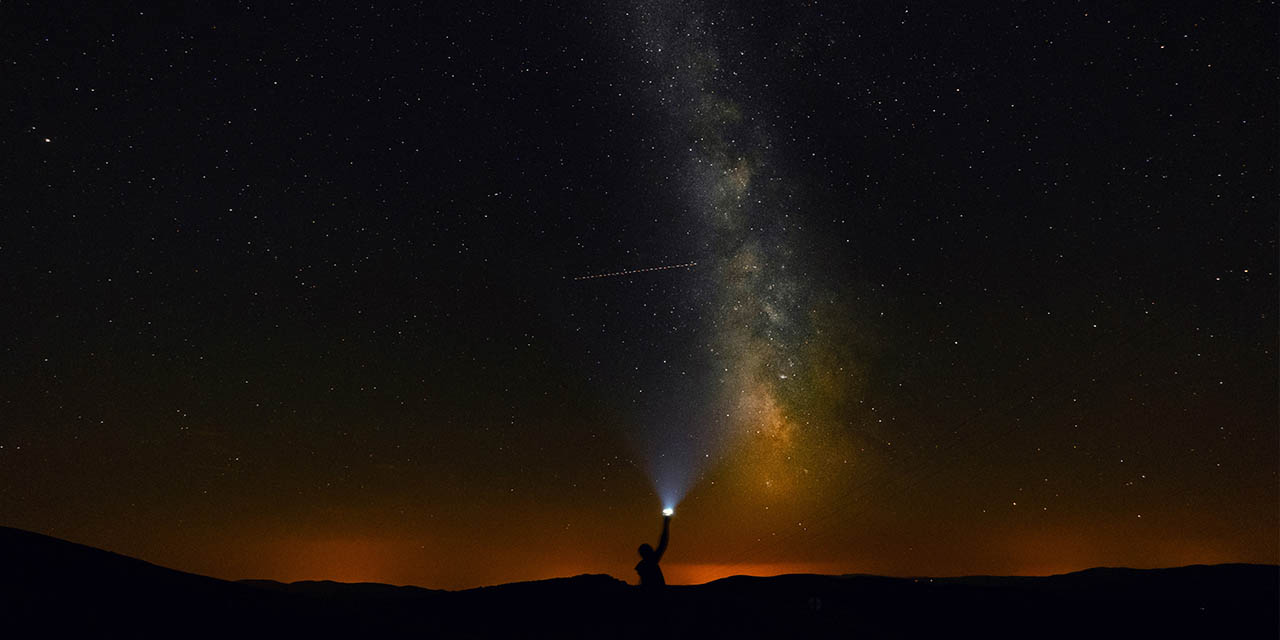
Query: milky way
x=755, y=298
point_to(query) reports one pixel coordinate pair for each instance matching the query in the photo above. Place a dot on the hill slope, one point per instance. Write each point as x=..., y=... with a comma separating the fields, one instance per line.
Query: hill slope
x=53, y=588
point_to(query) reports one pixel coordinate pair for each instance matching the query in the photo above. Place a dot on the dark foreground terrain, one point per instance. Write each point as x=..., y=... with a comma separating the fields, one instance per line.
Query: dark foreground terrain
x=54, y=588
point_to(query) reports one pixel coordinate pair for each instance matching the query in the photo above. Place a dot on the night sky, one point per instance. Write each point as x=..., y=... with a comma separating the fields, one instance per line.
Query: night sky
x=301, y=293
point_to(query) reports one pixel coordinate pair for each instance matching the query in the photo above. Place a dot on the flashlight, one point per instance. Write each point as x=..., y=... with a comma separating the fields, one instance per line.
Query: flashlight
x=668, y=512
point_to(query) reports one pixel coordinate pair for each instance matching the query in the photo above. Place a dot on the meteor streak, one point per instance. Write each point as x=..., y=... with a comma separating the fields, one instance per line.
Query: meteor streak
x=623, y=273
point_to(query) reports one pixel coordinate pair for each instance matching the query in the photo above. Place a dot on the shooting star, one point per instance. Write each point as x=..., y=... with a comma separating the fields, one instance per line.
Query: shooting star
x=630, y=271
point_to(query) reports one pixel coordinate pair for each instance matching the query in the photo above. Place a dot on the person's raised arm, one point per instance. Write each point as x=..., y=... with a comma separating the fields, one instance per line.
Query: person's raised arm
x=662, y=543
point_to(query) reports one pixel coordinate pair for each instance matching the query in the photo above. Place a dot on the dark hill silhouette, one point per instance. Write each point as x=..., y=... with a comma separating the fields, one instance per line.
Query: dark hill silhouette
x=54, y=588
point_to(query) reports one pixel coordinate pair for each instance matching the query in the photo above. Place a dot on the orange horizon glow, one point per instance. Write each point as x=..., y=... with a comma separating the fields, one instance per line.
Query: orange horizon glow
x=435, y=565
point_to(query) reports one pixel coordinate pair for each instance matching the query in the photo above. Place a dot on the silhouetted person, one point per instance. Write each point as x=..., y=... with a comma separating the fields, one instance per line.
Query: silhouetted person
x=650, y=574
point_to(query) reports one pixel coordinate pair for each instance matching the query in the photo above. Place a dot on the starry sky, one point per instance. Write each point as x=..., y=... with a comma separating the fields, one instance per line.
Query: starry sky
x=303, y=292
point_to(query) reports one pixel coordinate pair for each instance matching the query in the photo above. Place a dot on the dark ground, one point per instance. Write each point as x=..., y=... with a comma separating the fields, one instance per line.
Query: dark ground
x=54, y=588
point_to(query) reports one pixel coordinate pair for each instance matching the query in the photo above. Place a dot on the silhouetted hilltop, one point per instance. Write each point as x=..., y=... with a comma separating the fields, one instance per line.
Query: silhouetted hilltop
x=331, y=589
x=51, y=587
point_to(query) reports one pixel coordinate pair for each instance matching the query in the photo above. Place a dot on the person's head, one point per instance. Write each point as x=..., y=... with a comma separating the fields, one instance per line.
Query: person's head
x=646, y=551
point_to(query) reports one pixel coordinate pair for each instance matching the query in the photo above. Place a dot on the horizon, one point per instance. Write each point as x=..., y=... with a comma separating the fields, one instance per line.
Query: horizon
x=112, y=592
x=747, y=571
